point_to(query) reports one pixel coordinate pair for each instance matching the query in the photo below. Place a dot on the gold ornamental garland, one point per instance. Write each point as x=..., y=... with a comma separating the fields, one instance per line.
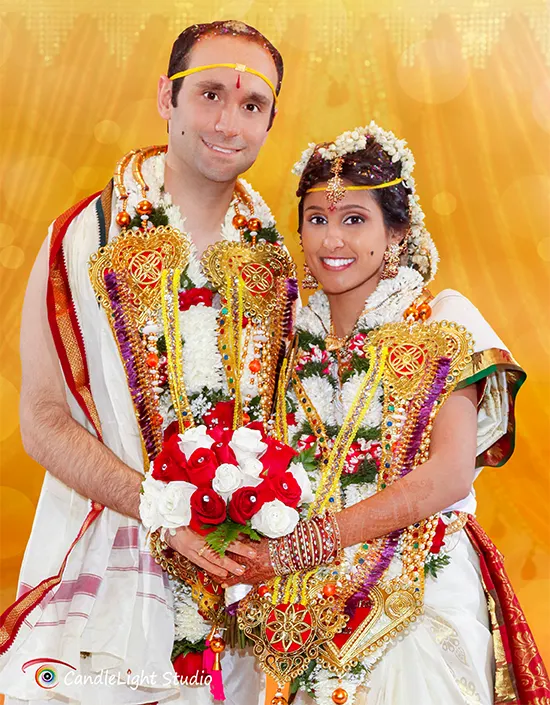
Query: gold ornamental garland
x=407, y=372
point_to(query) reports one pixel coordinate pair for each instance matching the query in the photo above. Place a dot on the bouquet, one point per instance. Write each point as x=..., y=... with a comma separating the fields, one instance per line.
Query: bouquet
x=223, y=482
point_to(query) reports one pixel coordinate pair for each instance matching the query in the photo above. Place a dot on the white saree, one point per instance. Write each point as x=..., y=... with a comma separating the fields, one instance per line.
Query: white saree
x=446, y=656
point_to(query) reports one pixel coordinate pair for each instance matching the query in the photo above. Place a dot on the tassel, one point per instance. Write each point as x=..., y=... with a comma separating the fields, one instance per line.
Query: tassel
x=211, y=664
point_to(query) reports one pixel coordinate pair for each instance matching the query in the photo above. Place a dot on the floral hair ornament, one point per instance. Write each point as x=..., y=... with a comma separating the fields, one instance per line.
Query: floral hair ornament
x=241, y=68
x=422, y=253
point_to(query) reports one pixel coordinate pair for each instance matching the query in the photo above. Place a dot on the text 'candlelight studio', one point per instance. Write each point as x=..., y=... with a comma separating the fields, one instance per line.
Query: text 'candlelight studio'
x=135, y=680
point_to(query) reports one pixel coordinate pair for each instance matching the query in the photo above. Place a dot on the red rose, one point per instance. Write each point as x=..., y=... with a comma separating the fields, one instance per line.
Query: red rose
x=193, y=297
x=245, y=502
x=277, y=457
x=207, y=507
x=189, y=665
x=220, y=417
x=286, y=489
x=291, y=419
x=201, y=467
x=170, y=464
x=439, y=537
x=171, y=430
x=258, y=426
x=224, y=453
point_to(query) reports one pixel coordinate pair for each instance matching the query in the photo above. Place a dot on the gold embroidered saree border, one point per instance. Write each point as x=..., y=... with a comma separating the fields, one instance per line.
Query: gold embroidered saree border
x=483, y=364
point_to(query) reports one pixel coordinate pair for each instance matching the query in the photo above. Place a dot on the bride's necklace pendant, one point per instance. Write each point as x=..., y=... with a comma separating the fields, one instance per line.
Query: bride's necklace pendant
x=333, y=342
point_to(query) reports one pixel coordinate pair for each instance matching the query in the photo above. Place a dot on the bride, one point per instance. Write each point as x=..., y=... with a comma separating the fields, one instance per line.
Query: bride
x=388, y=592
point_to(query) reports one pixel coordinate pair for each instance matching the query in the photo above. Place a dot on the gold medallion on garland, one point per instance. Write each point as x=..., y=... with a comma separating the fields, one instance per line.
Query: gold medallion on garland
x=344, y=613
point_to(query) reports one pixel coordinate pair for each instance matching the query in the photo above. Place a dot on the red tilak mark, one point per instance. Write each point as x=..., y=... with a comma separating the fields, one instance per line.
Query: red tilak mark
x=238, y=81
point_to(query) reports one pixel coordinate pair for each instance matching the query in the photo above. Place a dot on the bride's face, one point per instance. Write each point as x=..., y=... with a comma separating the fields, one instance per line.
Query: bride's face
x=344, y=248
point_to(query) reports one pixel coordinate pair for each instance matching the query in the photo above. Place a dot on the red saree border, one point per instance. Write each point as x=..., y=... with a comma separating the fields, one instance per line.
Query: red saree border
x=521, y=677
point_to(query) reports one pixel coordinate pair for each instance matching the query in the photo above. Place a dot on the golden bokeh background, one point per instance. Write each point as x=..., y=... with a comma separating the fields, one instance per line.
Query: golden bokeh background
x=467, y=83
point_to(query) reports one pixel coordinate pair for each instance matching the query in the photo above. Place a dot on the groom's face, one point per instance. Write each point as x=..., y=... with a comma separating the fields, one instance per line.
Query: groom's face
x=222, y=116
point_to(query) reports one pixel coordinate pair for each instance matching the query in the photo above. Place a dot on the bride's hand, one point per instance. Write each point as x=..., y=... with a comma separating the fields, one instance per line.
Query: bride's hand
x=259, y=568
x=194, y=547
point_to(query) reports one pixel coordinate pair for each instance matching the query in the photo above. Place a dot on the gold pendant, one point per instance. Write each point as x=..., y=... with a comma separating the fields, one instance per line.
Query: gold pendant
x=288, y=636
x=260, y=268
x=140, y=257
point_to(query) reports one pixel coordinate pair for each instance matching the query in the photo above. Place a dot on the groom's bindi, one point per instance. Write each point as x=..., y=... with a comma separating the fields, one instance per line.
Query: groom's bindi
x=238, y=84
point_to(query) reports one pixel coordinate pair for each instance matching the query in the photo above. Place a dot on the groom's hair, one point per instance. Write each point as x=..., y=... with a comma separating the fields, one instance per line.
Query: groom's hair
x=366, y=167
x=181, y=49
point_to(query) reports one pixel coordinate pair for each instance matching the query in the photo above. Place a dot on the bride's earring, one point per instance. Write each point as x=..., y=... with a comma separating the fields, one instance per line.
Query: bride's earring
x=309, y=281
x=392, y=259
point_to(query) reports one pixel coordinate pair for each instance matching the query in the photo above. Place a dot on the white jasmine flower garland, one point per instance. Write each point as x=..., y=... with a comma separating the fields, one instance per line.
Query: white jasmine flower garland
x=201, y=359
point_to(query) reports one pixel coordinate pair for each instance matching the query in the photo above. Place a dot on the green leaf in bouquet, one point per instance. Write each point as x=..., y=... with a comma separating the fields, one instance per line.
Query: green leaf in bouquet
x=252, y=533
x=307, y=458
x=184, y=646
x=222, y=536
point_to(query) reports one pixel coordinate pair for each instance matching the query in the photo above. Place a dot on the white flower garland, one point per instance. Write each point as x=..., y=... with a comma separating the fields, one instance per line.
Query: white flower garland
x=385, y=305
x=202, y=363
x=421, y=248
x=189, y=624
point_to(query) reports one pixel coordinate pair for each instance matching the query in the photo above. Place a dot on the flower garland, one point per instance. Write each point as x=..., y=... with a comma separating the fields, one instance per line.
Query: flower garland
x=422, y=251
x=332, y=393
x=203, y=368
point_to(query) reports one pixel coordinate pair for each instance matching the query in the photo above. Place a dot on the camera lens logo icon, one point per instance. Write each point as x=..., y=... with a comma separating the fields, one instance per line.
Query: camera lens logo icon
x=46, y=674
x=46, y=677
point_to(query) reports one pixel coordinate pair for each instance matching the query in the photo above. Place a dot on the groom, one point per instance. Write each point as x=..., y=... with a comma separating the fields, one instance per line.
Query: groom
x=86, y=557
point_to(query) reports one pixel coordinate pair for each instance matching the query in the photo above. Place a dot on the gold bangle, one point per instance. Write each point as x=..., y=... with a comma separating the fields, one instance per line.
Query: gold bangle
x=169, y=560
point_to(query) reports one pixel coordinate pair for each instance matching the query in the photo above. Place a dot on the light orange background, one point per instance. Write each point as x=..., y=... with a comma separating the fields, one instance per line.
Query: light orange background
x=466, y=83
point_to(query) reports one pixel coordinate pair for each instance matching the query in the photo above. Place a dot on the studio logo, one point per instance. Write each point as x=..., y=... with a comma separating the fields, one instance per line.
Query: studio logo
x=45, y=672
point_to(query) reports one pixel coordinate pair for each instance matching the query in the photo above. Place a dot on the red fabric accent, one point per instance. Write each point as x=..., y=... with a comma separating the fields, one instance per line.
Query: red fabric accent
x=527, y=669
x=361, y=613
x=59, y=231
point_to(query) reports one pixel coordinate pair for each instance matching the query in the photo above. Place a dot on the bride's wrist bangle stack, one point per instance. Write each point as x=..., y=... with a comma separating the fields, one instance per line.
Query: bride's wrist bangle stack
x=312, y=543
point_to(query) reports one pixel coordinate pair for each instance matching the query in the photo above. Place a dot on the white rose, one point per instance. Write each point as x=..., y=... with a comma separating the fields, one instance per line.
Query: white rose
x=174, y=504
x=275, y=519
x=194, y=438
x=252, y=467
x=149, y=501
x=247, y=443
x=227, y=479
x=302, y=478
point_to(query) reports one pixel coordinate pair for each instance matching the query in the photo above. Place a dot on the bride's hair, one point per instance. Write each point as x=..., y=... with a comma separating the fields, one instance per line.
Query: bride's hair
x=369, y=166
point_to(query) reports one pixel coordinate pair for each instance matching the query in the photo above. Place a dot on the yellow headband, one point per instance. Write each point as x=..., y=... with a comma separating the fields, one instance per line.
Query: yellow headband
x=357, y=188
x=238, y=67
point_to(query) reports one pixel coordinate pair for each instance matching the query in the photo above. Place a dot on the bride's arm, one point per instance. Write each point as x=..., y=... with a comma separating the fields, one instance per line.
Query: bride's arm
x=442, y=480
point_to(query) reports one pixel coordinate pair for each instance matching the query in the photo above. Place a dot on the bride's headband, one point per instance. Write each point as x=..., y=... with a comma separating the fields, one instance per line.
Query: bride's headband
x=422, y=252
x=336, y=189
x=241, y=68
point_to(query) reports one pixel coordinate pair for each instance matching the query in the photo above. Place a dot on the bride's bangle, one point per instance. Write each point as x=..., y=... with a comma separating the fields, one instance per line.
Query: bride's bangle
x=312, y=543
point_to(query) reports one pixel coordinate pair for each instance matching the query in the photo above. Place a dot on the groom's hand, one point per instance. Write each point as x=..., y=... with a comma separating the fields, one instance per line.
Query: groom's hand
x=194, y=547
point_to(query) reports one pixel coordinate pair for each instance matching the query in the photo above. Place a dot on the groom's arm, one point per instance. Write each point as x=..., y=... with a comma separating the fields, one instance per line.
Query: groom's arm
x=50, y=434
x=66, y=449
